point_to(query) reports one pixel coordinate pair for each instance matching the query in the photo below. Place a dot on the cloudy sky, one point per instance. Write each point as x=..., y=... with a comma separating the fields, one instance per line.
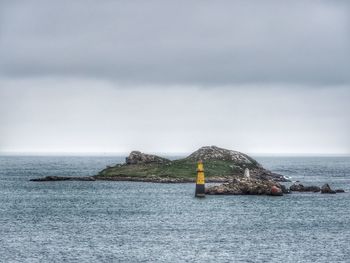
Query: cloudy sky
x=171, y=76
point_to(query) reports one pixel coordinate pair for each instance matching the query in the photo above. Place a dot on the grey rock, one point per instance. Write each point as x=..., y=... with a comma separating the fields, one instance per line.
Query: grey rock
x=136, y=157
x=326, y=189
x=217, y=153
x=245, y=186
x=298, y=187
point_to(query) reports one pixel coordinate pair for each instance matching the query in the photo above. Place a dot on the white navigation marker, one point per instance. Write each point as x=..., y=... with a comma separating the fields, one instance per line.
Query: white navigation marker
x=246, y=173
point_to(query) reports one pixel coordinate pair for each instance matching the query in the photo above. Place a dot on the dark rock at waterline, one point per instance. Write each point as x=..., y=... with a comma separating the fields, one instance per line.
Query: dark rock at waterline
x=312, y=188
x=63, y=178
x=298, y=187
x=284, y=189
x=326, y=189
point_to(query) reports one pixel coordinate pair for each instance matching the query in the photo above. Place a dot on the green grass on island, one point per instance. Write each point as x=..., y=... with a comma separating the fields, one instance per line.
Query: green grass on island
x=218, y=163
x=176, y=169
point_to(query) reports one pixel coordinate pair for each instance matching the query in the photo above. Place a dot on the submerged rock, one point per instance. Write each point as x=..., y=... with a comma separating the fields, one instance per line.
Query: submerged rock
x=246, y=186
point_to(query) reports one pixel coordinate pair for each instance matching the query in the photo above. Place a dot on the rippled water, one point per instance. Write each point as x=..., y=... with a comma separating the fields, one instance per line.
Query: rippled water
x=145, y=222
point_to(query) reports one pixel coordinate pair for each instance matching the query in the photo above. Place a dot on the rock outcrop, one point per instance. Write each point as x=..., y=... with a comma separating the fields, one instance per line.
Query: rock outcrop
x=298, y=187
x=326, y=189
x=246, y=186
x=136, y=157
x=216, y=153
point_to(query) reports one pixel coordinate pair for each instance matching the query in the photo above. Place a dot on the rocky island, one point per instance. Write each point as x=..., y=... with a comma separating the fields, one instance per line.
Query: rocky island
x=221, y=165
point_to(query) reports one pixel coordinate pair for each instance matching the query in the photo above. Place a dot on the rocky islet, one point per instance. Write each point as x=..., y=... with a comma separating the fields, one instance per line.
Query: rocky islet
x=223, y=166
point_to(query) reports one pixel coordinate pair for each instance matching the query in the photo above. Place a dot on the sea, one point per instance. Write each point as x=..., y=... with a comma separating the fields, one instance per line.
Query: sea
x=149, y=222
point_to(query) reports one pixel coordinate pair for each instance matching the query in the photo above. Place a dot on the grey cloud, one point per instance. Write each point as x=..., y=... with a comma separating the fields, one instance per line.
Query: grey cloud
x=178, y=42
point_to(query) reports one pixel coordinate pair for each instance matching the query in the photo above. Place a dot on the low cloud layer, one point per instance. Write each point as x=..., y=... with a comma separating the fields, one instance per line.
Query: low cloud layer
x=178, y=42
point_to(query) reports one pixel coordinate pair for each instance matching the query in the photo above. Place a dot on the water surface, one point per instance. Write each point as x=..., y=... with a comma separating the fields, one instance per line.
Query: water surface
x=147, y=222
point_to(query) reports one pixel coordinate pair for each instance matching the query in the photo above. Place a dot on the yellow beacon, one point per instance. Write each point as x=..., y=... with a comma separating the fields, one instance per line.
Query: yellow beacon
x=200, y=181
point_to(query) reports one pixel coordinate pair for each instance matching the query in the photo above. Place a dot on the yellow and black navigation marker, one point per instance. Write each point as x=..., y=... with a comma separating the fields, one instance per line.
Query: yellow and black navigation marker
x=200, y=181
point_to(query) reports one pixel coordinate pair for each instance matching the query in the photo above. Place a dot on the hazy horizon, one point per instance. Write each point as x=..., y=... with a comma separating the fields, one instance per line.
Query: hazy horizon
x=170, y=154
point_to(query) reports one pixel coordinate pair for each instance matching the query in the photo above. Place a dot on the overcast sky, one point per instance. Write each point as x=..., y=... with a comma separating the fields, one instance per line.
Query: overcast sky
x=171, y=76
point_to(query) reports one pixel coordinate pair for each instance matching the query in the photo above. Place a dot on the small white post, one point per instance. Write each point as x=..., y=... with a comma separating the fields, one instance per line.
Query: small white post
x=247, y=173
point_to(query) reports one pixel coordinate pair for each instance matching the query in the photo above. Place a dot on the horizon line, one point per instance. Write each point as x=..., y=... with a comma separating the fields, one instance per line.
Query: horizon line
x=64, y=153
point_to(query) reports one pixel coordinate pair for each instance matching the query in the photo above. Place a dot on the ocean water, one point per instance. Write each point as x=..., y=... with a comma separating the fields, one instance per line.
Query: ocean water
x=147, y=222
